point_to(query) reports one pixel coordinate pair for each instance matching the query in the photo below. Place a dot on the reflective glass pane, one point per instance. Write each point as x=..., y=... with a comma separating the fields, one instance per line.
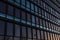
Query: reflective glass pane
x=29, y=33
x=23, y=15
x=17, y=12
x=10, y=10
x=32, y=7
x=23, y=2
x=8, y=38
x=28, y=4
x=28, y=17
x=18, y=1
x=34, y=33
x=2, y=7
x=15, y=38
x=33, y=19
x=23, y=31
x=1, y=38
x=9, y=29
x=2, y=24
x=38, y=34
x=17, y=30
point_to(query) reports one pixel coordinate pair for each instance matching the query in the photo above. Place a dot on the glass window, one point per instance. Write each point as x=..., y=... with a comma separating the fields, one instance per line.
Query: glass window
x=23, y=15
x=40, y=22
x=45, y=35
x=1, y=37
x=23, y=2
x=2, y=24
x=2, y=7
x=17, y=12
x=34, y=34
x=39, y=2
x=36, y=9
x=17, y=30
x=38, y=34
x=44, y=23
x=9, y=29
x=18, y=1
x=29, y=33
x=23, y=32
x=10, y=10
x=8, y=38
x=33, y=19
x=16, y=38
x=39, y=10
x=28, y=17
x=36, y=1
x=48, y=36
x=42, y=36
x=28, y=4
x=37, y=20
x=32, y=7
x=43, y=12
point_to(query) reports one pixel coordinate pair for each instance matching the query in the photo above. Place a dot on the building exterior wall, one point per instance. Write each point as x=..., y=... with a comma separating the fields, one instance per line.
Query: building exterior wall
x=29, y=20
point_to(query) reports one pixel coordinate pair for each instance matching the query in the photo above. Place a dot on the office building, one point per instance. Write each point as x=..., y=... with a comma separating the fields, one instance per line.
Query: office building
x=29, y=20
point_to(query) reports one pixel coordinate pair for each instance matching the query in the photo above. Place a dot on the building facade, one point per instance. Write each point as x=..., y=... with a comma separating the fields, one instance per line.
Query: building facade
x=29, y=20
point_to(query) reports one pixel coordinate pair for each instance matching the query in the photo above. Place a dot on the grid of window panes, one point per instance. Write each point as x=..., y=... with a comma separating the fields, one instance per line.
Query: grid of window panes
x=24, y=22
x=32, y=6
x=16, y=31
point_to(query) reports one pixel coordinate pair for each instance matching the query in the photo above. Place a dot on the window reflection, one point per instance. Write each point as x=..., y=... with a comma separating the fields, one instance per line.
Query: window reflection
x=2, y=24
x=9, y=29
x=17, y=30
